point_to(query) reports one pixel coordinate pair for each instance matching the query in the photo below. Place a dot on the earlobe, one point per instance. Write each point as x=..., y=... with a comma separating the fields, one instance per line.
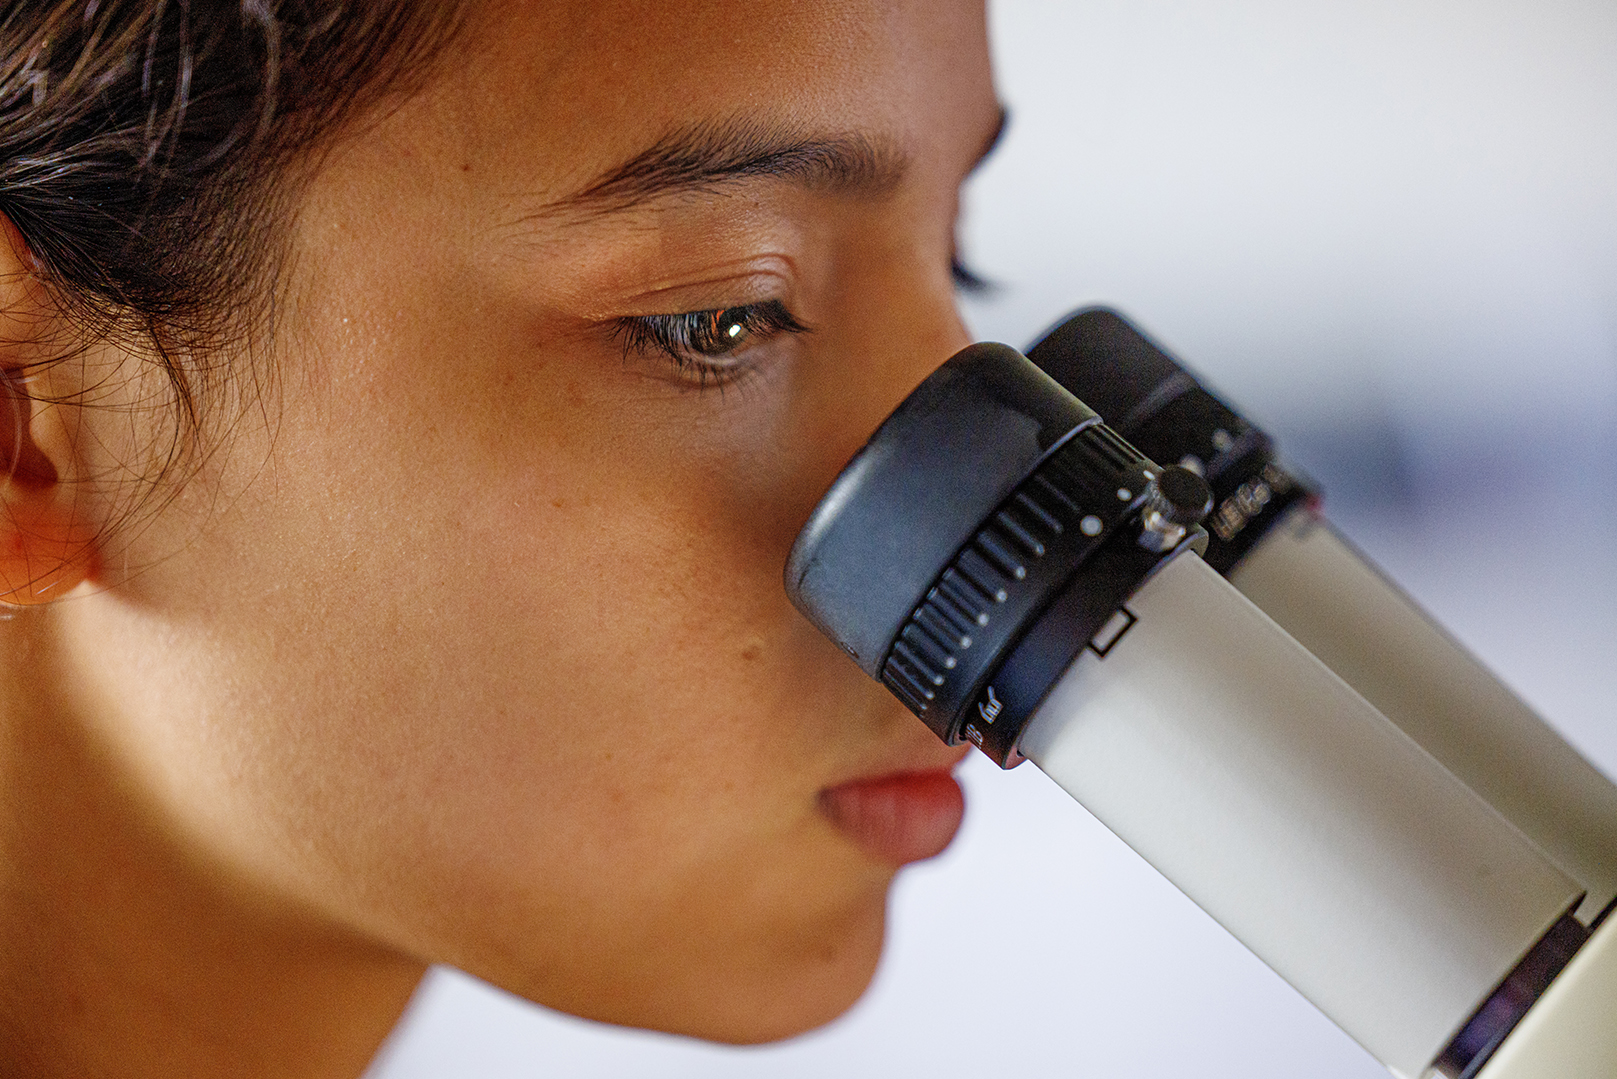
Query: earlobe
x=47, y=542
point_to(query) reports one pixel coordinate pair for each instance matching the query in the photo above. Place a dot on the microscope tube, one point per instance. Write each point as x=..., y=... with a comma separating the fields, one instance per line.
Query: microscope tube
x=1279, y=552
x=1306, y=577
x=1299, y=817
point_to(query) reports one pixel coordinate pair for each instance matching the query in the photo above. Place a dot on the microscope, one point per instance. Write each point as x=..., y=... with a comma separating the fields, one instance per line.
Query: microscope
x=1152, y=609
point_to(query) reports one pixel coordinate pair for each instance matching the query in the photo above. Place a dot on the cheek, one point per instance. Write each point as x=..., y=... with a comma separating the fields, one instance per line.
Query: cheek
x=607, y=799
x=530, y=702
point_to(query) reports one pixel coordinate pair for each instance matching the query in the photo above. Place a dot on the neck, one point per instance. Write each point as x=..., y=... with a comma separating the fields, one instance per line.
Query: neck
x=122, y=952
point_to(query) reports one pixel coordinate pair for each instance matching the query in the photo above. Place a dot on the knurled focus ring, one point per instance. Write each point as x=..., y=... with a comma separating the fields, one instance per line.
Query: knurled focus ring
x=1014, y=565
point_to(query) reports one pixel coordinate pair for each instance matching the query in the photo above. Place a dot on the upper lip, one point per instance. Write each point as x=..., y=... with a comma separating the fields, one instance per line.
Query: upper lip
x=910, y=765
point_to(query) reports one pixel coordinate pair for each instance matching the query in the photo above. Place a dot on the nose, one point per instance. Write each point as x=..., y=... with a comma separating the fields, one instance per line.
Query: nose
x=863, y=370
x=926, y=332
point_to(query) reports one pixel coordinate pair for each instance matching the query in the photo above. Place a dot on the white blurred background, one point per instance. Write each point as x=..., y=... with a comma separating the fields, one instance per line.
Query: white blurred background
x=1387, y=231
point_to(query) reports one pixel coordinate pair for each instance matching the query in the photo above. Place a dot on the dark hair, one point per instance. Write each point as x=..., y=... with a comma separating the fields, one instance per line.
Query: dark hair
x=146, y=150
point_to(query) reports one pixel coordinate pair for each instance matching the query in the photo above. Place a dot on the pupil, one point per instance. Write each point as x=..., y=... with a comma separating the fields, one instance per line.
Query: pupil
x=726, y=328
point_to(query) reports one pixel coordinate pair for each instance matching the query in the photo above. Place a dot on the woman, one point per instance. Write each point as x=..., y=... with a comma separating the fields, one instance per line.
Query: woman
x=407, y=413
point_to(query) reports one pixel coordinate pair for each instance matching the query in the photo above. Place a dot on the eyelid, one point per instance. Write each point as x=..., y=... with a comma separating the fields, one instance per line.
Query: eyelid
x=754, y=280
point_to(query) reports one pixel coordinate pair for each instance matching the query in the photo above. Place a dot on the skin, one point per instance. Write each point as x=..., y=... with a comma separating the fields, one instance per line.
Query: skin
x=468, y=644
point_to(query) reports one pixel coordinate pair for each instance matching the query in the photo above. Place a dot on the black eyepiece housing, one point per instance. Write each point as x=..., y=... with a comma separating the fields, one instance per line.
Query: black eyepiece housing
x=966, y=521
x=1098, y=355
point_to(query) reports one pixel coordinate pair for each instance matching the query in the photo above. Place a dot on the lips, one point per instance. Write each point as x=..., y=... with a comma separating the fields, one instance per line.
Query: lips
x=899, y=818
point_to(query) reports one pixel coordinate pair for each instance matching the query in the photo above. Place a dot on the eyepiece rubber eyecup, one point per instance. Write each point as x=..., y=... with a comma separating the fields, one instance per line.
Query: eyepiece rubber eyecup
x=965, y=520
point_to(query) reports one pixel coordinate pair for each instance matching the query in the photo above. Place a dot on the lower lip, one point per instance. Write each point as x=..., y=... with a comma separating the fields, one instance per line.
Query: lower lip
x=898, y=818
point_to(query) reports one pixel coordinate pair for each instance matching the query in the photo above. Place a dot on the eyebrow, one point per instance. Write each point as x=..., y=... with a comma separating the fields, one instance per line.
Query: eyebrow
x=705, y=157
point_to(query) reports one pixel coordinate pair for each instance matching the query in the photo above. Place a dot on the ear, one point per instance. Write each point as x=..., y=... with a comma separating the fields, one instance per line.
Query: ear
x=47, y=538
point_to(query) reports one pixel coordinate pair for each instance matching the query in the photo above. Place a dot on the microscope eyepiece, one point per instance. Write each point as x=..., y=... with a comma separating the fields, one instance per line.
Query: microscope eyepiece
x=1145, y=395
x=987, y=496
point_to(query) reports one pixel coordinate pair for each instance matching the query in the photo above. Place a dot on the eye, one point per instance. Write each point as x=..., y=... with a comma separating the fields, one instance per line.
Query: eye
x=965, y=279
x=708, y=345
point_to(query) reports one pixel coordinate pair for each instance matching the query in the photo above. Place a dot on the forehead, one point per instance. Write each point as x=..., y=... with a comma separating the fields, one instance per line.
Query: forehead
x=563, y=94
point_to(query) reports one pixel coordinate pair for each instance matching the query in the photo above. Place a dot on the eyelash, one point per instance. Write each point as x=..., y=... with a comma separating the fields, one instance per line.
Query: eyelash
x=965, y=279
x=694, y=340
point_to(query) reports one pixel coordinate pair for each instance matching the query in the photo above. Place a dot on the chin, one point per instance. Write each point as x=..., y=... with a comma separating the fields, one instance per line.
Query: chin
x=801, y=999
x=792, y=982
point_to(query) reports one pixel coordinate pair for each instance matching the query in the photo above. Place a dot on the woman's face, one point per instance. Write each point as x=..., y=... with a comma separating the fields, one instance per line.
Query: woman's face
x=475, y=638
